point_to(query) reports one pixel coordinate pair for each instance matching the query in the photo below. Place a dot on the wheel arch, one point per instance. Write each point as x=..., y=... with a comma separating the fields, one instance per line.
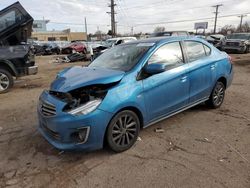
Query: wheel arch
x=223, y=80
x=8, y=66
x=131, y=108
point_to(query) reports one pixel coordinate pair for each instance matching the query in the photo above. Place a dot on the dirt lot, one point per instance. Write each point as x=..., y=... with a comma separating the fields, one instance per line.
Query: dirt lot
x=198, y=148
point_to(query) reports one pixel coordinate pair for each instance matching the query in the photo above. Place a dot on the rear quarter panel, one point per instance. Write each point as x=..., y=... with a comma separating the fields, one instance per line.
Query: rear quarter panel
x=224, y=67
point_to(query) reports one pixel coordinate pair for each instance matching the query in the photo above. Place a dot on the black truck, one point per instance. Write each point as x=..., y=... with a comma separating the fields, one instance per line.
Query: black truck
x=16, y=56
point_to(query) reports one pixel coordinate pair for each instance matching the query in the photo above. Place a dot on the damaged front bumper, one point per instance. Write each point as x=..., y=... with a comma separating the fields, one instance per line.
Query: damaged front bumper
x=68, y=132
x=32, y=70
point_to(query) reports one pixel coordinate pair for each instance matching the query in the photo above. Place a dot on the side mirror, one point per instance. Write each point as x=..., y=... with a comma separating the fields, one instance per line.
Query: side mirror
x=155, y=68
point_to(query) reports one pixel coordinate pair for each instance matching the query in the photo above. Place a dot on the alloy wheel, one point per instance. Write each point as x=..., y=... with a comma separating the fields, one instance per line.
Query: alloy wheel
x=218, y=94
x=4, y=82
x=124, y=130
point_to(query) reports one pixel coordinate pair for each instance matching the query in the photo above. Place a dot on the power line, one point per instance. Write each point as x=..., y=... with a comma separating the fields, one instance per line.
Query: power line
x=155, y=4
x=188, y=20
x=216, y=15
x=184, y=9
x=153, y=23
x=69, y=23
x=120, y=8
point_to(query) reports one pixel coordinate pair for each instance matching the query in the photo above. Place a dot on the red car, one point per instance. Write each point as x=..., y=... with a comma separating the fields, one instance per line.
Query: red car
x=74, y=47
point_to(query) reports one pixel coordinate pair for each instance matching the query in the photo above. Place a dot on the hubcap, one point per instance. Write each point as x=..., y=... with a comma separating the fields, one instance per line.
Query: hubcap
x=124, y=130
x=4, y=82
x=218, y=95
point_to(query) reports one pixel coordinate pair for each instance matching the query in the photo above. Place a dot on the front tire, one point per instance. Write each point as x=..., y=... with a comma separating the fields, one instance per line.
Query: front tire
x=123, y=131
x=6, y=81
x=217, y=96
x=247, y=49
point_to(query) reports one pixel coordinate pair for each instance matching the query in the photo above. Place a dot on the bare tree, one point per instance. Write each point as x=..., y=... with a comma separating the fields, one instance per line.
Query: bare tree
x=244, y=28
x=227, y=29
x=159, y=29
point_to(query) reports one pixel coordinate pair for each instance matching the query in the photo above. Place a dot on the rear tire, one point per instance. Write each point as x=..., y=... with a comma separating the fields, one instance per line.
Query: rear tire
x=6, y=81
x=123, y=131
x=247, y=49
x=217, y=96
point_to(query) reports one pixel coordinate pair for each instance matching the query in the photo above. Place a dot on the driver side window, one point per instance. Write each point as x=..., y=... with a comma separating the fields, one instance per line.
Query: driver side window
x=169, y=54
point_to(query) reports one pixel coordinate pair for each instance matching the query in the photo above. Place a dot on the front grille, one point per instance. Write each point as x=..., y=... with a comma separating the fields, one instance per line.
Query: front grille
x=51, y=133
x=232, y=44
x=47, y=109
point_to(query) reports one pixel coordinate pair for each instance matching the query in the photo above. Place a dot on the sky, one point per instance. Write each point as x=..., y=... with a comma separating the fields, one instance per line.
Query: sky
x=137, y=15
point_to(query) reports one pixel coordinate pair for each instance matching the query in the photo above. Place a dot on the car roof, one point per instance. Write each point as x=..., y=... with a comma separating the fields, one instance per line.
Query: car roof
x=157, y=40
x=240, y=34
x=118, y=38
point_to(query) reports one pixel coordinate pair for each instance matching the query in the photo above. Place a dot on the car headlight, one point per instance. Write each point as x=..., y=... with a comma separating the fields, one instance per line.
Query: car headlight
x=242, y=43
x=86, y=108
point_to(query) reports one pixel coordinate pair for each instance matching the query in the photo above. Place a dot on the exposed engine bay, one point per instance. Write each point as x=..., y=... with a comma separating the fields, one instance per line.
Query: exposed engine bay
x=83, y=95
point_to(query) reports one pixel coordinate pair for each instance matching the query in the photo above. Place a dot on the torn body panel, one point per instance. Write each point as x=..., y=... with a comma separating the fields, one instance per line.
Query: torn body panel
x=81, y=96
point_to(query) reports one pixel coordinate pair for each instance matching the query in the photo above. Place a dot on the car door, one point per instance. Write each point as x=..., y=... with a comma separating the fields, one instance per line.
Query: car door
x=168, y=91
x=201, y=70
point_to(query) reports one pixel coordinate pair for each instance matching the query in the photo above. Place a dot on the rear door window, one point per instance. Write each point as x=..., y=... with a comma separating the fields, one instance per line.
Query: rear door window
x=195, y=50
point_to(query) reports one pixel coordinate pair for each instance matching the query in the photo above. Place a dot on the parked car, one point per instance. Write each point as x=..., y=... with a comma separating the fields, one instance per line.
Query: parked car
x=51, y=48
x=46, y=48
x=200, y=36
x=109, y=43
x=16, y=56
x=216, y=40
x=117, y=41
x=37, y=48
x=74, y=47
x=170, y=33
x=239, y=42
x=130, y=87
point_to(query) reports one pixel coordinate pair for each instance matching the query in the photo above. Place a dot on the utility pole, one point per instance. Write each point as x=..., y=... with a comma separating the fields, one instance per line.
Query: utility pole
x=86, y=27
x=241, y=20
x=216, y=15
x=112, y=12
x=132, y=30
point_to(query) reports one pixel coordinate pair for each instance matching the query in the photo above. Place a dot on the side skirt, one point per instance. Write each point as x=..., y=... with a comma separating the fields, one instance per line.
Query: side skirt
x=176, y=112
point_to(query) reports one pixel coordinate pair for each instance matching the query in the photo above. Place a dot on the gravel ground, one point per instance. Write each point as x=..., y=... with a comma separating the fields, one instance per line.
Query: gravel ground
x=198, y=148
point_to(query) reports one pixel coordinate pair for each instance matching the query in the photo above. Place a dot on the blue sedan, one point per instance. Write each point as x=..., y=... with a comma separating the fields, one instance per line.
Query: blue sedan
x=130, y=87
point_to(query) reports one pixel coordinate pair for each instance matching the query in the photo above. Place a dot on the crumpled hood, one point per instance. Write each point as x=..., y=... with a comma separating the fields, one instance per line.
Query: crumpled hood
x=77, y=77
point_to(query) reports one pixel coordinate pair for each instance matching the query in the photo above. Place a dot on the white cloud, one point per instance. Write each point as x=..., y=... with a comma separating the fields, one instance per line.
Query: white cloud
x=131, y=13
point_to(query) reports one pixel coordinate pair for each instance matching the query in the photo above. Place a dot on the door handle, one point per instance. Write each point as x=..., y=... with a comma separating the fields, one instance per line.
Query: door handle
x=184, y=79
x=212, y=67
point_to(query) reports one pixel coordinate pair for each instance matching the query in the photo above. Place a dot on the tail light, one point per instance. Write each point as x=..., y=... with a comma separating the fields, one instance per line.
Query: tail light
x=230, y=59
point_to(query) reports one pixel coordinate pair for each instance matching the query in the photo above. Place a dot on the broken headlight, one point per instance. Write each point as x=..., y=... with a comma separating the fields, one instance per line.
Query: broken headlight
x=83, y=100
x=86, y=108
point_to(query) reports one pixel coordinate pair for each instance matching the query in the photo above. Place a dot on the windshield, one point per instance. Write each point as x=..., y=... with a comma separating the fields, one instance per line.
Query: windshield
x=123, y=57
x=109, y=43
x=238, y=36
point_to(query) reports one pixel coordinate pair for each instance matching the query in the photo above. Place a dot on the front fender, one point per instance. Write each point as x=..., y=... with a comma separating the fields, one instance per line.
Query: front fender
x=9, y=65
x=128, y=93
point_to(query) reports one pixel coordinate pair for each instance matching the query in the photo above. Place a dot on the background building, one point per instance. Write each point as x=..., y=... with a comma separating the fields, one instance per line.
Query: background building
x=40, y=33
x=65, y=35
x=40, y=25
